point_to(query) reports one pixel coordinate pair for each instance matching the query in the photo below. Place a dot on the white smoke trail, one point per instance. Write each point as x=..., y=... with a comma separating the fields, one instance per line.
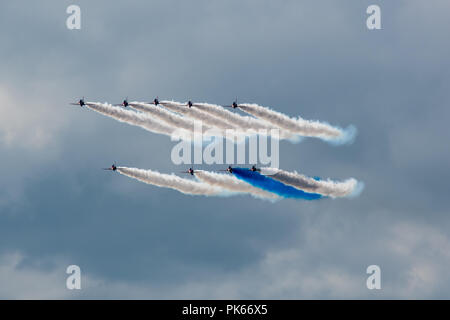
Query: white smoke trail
x=298, y=125
x=327, y=187
x=227, y=118
x=197, y=114
x=230, y=182
x=136, y=119
x=230, y=117
x=171, y=181
x=237, y=119
x=169, y=117
x=213, y=125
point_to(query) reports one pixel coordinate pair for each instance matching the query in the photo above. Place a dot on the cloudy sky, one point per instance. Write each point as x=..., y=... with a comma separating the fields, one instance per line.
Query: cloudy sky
x=310, y=58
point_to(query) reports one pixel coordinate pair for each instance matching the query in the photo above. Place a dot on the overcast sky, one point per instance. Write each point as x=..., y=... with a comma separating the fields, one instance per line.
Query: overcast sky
x=314, y=59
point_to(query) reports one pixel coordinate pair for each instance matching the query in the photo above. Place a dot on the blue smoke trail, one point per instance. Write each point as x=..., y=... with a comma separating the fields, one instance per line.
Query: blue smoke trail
x=264, y=182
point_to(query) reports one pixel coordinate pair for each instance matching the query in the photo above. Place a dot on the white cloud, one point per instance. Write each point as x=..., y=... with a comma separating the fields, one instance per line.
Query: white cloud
x=422, y=252
x=18, y=282
x=29, y=123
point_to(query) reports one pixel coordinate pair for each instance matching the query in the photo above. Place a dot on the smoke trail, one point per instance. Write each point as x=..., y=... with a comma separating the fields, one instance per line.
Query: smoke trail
x=197, y=114
x=231, y=183
x=300, y=126
x=260, y=181
x=169, y=117
x=243, y=121
x=327, y=187
x=171, y=181
x=136, y=119
x=228, y=119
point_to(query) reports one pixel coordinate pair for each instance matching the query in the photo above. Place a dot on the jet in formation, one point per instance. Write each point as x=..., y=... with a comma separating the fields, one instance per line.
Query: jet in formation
x=79, y=103
x=112, y=168
x=124, y=103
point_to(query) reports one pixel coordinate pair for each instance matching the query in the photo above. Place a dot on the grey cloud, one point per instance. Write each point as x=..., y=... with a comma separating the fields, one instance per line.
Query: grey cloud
x=313, y=59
